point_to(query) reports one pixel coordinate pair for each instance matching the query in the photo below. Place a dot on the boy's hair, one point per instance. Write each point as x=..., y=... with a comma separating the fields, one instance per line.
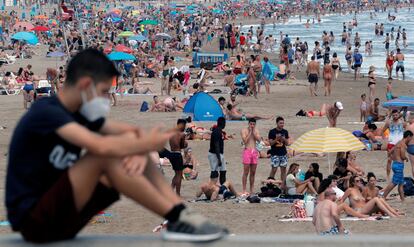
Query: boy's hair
x=181, y=121
x=221, y=99
x=278, y=119
x=252, y=120
x=92, y=63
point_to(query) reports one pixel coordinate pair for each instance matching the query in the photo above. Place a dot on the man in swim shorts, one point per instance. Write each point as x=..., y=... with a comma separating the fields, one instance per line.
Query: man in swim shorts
x=278, y=140
x=326, y=218
x=250, y=136
x=313, y=73
x=399, y=57
x=396, y=126
x=398, y=157
x=177, y=142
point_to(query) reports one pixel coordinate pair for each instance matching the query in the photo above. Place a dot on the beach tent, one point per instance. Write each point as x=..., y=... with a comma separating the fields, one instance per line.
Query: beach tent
x=203, y=107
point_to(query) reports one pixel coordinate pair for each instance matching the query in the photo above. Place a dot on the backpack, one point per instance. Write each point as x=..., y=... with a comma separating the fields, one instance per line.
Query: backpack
x=408, y=186
x=144, y=107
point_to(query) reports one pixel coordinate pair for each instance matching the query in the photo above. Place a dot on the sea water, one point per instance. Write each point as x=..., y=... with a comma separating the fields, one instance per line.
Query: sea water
x=366, y=30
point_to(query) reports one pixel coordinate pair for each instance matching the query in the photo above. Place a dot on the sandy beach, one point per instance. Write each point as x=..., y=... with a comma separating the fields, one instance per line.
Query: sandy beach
x=129, y=218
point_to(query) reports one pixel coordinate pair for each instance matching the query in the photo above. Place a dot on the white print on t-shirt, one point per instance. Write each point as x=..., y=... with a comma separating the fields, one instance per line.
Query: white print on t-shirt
x=61, y=159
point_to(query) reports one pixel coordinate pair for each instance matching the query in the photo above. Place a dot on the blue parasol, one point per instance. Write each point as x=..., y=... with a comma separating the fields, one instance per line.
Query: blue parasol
x=30, y=38
x=119, y=56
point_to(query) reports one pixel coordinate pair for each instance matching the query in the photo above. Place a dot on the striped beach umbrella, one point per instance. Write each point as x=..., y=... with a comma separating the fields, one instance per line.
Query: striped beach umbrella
x=327, y=140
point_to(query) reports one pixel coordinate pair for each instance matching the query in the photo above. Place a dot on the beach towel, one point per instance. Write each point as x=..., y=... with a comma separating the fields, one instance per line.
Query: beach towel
x=309, y=219
x=276, y=200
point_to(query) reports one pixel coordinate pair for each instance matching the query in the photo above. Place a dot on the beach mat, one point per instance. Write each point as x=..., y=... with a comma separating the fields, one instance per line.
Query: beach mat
x=309, y=219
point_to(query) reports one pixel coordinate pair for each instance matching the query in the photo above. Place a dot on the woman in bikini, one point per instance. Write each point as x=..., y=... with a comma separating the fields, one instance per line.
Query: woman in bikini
x=190, y=165
x=353, y=166
x=331, y=182
x=389, y=63
x=371, y=190
x=335, y=65
x=358, y=203
x=165, y=75
x=327, y=77
x=238, y=65
x=372, y=81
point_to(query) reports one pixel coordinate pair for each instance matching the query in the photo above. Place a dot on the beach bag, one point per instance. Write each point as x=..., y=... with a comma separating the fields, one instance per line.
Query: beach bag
x=298, y=209
x=253, y=199
x=144, y=107
x=408, y=186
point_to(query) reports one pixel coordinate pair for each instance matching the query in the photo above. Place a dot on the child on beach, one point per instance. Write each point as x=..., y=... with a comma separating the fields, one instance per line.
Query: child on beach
x=389, y=94
x=363, y=108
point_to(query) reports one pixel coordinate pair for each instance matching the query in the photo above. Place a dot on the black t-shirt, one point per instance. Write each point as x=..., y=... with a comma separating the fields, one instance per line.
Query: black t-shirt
x=278, y=149
x=38, y=156
x=317, y=175
x=216, y=139
x=340, y=174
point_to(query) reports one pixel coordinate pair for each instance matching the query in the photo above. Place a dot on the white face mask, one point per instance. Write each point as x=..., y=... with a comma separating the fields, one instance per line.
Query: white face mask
x=96, y=108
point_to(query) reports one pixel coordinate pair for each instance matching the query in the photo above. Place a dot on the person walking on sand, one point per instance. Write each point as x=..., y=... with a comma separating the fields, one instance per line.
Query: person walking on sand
x=250, y=136
x=326, y=218
x=312, y=71
x=398, y=157
x=177, y=142
x=372, y=82
x=53, y=190
x=357, y=63
x=396, y=128
x=327, y=77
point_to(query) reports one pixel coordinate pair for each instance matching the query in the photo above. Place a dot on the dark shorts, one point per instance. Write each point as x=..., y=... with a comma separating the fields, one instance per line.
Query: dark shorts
x=400, y=67
x=357, y=66
x=281, y=76
x=176, y=160
x=313, y=78
x=225, y=192
x=55, y=216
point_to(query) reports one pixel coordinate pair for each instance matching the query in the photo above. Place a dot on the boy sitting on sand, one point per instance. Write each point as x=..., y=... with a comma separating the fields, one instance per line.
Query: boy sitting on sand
x=53, y=189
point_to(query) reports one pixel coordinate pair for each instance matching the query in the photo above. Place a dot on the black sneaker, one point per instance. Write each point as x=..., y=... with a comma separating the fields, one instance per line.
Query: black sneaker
x=193, y=227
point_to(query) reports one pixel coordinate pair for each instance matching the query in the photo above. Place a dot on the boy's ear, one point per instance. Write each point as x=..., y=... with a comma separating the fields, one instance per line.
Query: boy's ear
x=84, y=82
